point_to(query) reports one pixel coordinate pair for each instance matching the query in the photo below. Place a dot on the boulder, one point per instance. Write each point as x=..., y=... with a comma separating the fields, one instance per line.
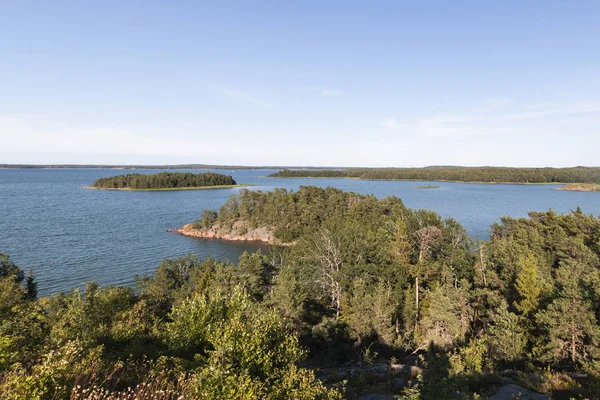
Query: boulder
x=405, y=370
x=376, y=396
x=398, y=384
x=515, y=392
x=379, y=369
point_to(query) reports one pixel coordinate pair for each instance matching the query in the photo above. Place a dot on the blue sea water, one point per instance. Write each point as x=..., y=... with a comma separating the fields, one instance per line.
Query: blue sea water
x=69, y=235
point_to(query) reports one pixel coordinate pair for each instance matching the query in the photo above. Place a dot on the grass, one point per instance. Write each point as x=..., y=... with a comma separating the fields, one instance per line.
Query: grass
x=172, y=189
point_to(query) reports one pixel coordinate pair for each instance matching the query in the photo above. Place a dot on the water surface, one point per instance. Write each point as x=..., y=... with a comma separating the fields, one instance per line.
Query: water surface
x=69, y=235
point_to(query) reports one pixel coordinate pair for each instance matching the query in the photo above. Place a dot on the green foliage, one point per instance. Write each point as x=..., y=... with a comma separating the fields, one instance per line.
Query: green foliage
x=11, y=294
x=569, y=322
x=290, y=215
x=256, y=273
x=163, y=180
x=469, y=359
x=13, y=285
x=370, y=311
x=445, y=316
x=361, y=278
x=88, y=316
x=58, y=372
x=222, y=384
x=208, y=218
x=232, y=333
x=8, y=269
x=298, y=383
x=30, y=287
x=528, y=287
x=216, y=344
x=507, y=338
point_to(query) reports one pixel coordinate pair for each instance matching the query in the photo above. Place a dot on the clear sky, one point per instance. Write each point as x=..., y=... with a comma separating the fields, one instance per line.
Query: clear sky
x=328, y=83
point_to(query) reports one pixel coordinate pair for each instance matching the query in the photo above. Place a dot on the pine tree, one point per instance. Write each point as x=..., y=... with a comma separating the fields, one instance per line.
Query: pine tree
x=569, y=321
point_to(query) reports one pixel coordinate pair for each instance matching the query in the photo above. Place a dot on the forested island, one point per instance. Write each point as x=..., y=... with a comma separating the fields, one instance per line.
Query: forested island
x=368, y=300
x=455, y=174
x=166, y=181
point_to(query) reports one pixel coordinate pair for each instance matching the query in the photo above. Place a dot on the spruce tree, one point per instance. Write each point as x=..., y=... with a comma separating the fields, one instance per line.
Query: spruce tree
x=528, y=287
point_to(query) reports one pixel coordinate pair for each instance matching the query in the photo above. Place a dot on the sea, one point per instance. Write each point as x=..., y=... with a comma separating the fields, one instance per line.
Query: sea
x=68, y=235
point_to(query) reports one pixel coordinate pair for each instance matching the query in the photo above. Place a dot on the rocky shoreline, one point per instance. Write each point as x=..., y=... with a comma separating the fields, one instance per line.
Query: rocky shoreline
x=238, y=232
x=581, y=187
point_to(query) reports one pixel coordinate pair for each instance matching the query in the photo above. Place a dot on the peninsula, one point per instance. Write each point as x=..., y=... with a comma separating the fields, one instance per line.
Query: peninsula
x=166, y=181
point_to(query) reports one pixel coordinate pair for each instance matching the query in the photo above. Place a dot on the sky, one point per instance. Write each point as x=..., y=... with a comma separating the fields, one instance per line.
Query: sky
x=304, y=83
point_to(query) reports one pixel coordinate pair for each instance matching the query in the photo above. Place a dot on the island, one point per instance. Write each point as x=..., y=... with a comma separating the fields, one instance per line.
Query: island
x=581, y=187
x=166, y=181
x=427, y=187
x=281, y=217
x=504, y=175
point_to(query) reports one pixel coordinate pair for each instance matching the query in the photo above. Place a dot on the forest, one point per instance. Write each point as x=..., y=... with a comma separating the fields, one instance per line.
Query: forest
x=456, y=174
x=368, y=298
x=163, y=180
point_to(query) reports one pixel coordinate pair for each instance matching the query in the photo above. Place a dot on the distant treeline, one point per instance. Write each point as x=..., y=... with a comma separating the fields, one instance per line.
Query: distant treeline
x=460, y=174
x=163, y=180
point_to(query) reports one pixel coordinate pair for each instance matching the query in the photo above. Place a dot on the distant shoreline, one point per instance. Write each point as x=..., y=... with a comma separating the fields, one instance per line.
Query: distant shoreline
x=172, y=189
x=419, y=180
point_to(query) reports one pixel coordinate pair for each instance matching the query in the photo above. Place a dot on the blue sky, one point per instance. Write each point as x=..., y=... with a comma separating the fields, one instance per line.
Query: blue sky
x=346, y=83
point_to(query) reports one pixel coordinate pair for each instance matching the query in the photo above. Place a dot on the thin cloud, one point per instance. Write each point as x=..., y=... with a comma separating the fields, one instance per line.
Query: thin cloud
x=494, y=119
x=20, y=138
x=556, y=111
x=494, y=104
x=326, y=91
x=228, y=92
x=391, y=124
x=445, y=126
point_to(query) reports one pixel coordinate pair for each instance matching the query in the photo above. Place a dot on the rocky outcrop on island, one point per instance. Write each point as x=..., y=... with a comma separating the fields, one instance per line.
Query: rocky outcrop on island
x=581, y=187
x=239, y=231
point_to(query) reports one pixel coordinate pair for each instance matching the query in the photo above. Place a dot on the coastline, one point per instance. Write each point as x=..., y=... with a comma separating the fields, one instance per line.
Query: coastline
x=419, y=180
x=173, y=189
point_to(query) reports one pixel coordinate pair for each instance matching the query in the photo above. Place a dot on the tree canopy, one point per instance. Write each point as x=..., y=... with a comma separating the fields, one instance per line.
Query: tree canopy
x=363, y=280
x=163, y=180
x=458, y=174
